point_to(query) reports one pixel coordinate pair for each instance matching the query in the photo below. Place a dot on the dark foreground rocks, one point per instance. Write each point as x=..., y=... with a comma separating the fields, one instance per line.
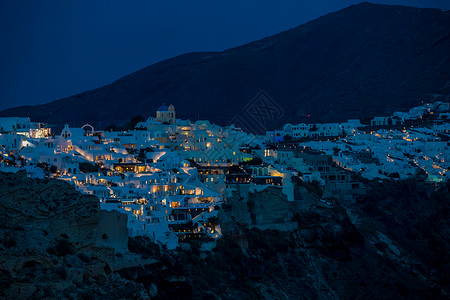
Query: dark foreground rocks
x=393, y=244
x=57, y=243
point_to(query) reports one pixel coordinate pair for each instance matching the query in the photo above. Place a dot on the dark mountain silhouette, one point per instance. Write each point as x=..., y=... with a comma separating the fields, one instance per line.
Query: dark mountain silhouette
x=361, y=61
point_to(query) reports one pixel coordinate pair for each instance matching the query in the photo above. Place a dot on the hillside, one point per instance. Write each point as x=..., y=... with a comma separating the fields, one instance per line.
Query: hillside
x=56, y=243
x=364, y=60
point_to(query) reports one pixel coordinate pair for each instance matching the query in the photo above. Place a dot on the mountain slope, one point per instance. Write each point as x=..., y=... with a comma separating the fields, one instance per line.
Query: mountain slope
x=363, y=60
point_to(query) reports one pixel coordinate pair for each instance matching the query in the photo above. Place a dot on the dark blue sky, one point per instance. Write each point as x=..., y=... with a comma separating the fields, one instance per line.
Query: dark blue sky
x=53, y=49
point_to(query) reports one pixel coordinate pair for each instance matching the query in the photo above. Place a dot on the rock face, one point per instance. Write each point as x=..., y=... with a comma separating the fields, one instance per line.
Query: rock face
x=265, y=209
x=56, y=242
x=397, y=247
x=51, y=209
x=269, y=206
x=394, y=250
x=361, y=61
x=409, y=221
x=328, y=257
x=305, y=195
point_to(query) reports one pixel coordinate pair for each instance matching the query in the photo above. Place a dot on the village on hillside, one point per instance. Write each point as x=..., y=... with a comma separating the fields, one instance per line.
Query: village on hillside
x=172, y=176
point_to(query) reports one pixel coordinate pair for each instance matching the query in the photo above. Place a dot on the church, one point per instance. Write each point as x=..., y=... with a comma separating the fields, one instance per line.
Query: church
x=166, y=114
x=165, y=117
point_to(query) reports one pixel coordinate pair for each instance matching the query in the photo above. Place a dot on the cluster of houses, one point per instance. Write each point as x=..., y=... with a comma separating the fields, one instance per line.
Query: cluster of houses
x=392, y=153
x=384, y=148
x=304, y=131
x=170, y=176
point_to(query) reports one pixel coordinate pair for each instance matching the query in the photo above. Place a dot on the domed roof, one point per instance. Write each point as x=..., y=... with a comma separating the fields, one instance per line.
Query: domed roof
x=163, y=108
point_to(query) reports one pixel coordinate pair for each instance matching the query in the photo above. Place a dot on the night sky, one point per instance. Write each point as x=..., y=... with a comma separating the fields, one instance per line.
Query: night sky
x=53, y=49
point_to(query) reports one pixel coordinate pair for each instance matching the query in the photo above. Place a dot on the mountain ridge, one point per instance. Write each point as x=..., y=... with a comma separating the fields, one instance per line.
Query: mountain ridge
x=363, y=60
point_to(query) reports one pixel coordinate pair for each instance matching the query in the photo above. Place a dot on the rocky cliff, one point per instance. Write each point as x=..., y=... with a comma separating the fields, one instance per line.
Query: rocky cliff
x=395, y=246
x=328, y=257
x=56, y=242
x=53, y=244
x=264, y=208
